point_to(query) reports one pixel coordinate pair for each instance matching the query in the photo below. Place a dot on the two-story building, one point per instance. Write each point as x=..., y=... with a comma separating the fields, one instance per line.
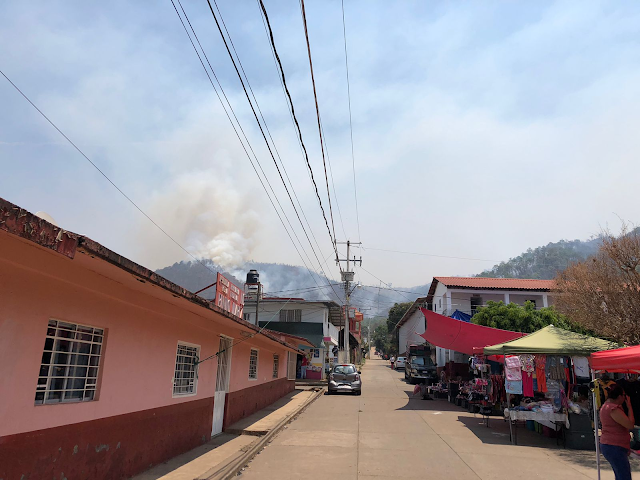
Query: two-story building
x=451, y=295
x=318, y=321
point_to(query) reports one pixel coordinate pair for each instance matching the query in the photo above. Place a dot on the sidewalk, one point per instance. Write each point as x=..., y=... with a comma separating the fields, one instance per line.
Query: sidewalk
x=240, y=441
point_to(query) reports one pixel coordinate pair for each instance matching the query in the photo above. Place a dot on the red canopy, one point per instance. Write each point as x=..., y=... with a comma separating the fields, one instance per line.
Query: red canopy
x=446, y=332
x=618, y=360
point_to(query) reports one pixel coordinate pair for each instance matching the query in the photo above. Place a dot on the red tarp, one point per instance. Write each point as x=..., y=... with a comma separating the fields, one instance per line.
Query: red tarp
x=446, y=332
x=618, y=360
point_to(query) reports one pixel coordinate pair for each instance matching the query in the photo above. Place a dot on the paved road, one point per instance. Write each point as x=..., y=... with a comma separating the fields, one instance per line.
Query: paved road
x=387, y=434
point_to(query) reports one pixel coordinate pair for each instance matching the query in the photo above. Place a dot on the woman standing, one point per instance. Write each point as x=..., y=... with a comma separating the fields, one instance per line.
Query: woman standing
x=615, y=441
x=393, y=361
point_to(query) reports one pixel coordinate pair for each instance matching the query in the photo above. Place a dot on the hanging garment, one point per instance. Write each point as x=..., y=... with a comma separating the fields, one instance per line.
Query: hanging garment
x=581, y=367
x=632, y=389
x=513, y=386
x=498, y=393
x=513, y=368
x=527, y=384
x=555, y=368
x=602, y=393
x=527, y=362
x=541, y=375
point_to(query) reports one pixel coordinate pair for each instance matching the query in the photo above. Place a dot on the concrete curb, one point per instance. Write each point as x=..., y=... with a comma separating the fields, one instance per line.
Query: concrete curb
x=232, y=467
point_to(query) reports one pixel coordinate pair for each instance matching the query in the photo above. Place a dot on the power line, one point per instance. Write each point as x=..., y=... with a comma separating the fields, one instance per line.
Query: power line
x=246, y=77
x=353, y=158
x=259, y=126
x=238, y=134
x=297, y=124
x=105, y=175
x=315, y=96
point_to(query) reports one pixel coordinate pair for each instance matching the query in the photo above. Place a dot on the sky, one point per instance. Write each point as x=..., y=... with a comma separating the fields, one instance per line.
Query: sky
x=480, y=129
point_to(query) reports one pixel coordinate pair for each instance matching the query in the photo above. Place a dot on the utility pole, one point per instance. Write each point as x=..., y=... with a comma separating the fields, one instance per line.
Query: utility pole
x=347, y=277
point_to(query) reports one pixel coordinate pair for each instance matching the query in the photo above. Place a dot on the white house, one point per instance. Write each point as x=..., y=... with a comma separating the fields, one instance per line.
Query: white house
x=466, y=294
x=317, y=321
x=411, y=326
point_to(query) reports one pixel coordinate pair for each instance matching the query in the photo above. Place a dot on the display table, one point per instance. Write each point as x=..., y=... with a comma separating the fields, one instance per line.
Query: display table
x=558, y=419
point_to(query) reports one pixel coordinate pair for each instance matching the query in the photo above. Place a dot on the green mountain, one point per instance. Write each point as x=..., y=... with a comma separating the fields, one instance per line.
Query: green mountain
x=546, y=261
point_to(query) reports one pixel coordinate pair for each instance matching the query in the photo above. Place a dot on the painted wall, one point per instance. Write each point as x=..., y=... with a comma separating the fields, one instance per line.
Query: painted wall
x=135, y=421
x=410, y=331
x=138, y=358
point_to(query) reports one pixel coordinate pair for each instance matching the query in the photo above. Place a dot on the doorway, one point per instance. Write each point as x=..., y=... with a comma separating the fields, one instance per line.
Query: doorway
x=222, y=384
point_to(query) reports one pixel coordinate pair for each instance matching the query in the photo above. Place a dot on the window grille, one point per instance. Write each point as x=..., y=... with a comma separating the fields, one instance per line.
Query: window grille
x=253, y=364
x=291, y=315
x=291, y=366
x=70, y=363
x=276, y=366
x=186, y=375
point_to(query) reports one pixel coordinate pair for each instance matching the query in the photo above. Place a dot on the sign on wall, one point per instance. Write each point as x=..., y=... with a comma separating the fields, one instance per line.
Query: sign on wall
x=229, y=297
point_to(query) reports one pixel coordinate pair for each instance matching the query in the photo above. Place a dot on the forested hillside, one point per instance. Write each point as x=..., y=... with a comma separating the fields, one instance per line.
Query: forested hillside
x=544, y=262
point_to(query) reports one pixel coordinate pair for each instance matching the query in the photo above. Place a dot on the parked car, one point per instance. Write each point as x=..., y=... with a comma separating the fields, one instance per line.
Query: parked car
x=420, y=369
x=345, y=378
x=400, y=361
x=385, y=356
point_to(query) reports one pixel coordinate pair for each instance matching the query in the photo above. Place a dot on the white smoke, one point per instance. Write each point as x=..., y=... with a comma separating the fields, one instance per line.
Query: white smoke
x=208, y=215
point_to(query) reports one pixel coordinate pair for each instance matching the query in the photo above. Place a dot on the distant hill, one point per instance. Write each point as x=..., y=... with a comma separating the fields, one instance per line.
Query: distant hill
x=544, y=262
x=281, y=280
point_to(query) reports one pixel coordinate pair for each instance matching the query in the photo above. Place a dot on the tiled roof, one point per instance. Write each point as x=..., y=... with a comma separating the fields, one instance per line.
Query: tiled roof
x=497, y=283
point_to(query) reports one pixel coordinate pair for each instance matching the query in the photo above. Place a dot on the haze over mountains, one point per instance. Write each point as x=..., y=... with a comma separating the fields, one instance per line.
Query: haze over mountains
x=294, y=281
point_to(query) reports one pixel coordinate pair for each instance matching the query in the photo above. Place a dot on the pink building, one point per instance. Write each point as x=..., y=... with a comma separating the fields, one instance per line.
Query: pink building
x=99, y=359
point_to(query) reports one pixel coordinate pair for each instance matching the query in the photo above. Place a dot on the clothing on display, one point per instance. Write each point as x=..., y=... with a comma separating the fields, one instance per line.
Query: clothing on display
x=555, y=368
x=513, y=368
x=513, y=386
x=527, y=384
x=581, y=367
x=632, y=389
x=600, y=386
x=541, y=376
x=527, y=362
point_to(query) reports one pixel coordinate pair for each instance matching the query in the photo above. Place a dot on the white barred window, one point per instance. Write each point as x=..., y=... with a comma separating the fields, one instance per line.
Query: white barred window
x=186, y=373
x=70, y=363
x=253, y=364
x=291, y=315
x=276, y=365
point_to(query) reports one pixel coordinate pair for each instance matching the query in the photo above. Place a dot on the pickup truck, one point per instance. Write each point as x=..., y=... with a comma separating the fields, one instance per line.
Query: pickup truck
x=419, y=369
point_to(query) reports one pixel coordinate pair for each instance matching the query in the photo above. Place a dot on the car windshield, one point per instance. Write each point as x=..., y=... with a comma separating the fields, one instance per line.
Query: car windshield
x=423, y=361
x=346, y=369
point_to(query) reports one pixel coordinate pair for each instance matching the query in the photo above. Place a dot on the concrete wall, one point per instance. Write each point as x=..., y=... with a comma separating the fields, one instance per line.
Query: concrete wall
x=135, y=420
x=410, y=331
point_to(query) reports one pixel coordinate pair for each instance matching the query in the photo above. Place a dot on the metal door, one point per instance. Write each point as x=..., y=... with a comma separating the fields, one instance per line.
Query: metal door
x=222, y=384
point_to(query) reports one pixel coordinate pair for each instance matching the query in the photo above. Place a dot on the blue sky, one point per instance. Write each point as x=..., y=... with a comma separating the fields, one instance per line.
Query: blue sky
x=480, y=128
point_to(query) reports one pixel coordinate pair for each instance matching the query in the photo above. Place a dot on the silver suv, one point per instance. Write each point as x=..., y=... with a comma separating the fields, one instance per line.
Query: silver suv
x=345, y=378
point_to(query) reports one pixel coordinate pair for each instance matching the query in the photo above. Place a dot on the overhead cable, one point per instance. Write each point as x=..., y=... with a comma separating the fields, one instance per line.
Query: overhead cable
x=353, y=157
x=315, y=96
x=297, y=124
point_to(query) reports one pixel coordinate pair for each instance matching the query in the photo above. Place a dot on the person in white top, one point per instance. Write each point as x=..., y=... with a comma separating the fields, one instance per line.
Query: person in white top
x=393, y=361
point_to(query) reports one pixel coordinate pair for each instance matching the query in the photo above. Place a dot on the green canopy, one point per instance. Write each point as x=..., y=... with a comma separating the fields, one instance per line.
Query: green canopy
x=552, y=341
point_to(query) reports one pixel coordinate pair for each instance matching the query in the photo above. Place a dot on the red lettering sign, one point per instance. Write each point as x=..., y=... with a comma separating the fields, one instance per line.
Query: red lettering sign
x=229, y=297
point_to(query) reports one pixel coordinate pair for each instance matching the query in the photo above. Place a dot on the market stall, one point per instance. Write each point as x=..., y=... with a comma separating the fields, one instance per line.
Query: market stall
x=543, y=371
x=620, y=360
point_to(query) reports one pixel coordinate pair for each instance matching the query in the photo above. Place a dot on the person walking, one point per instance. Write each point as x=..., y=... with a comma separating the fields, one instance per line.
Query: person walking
x=393, y=361
x=615, y=442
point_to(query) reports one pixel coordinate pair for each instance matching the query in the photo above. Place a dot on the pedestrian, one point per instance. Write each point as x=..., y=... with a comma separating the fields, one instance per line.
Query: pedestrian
x=615, y=443
x=393, y=361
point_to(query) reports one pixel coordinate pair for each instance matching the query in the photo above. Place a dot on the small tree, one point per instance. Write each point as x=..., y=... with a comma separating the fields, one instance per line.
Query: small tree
x=526, y=319
x=603, y=292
